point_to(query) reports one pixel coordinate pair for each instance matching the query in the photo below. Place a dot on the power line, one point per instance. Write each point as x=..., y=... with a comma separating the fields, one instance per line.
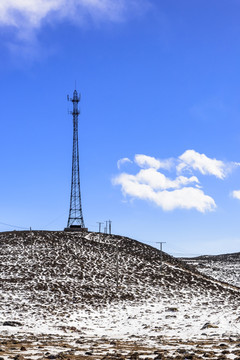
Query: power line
x=51, y=222
x=14, y=226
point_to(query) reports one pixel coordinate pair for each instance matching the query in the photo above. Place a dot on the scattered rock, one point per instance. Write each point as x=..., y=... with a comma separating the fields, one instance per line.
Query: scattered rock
x=159, y=357
x=134, y=356
x=170, y=316
x=188, y=356
x=61, y=355
x=181, y=351
x=224, y=352
x=79, y=341
x=172, y=309
x=208, y=326
x=18, y=357
x=12, y=323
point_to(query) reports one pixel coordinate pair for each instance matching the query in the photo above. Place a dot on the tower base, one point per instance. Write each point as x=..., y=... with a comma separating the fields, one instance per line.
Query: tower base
x=75, y=228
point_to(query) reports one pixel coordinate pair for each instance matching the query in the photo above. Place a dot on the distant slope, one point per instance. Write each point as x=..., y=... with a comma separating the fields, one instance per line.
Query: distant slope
x=224, y=267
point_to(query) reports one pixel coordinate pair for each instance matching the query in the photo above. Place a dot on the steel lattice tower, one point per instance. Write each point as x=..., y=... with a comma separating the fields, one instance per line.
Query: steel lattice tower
x=75, y=219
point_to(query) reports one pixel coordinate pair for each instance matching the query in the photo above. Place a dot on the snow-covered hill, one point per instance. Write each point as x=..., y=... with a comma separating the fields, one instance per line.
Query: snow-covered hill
x=59, y=268
x=98, y=290
x=225, y=267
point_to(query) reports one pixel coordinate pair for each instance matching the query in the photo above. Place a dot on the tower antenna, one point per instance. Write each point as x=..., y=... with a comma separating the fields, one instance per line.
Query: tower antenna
x=75, y=219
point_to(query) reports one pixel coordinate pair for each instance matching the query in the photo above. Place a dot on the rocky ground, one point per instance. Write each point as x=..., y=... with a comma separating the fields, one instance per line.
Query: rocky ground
x=50, y=347
x=72, y=296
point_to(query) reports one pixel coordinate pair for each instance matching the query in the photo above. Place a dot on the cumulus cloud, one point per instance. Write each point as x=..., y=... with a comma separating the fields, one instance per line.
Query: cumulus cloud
x=191, y=159
x=123, y=161
x=184, y=198
x=236, y=194
x=169, y=193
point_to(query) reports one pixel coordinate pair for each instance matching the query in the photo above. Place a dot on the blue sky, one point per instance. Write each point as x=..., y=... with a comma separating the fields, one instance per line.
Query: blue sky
x=160, y=87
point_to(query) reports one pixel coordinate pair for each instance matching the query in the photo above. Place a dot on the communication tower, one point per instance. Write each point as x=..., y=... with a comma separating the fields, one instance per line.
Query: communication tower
x=75, y=218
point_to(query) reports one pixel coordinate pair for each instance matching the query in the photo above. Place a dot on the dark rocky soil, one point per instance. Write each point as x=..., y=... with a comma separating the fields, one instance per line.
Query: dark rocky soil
x=59, y=268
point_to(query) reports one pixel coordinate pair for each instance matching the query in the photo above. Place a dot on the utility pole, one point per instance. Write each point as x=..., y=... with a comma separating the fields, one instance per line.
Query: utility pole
x=160, y=244
x=110, y=226
x=99, y=224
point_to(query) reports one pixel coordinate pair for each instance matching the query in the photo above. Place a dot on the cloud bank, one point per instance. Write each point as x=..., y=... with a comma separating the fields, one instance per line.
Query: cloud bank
x=180, y=192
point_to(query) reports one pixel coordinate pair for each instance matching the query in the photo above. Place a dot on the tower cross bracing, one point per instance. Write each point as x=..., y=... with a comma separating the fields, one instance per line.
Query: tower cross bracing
x=75, y=218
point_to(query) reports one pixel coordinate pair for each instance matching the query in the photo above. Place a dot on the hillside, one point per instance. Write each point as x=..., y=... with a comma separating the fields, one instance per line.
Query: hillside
x=63, y=286
x=224, y=267
x=61, y=268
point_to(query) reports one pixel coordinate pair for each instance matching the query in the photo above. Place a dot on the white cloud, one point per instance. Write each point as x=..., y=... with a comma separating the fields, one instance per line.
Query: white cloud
x=185, y=192
x=184, y=198
x=28, y=15
x=22, y=20
x=145, y=161
x=191, y=159
x=159, y=181
x=236, y=194
x=22, y=13
x=123, y=161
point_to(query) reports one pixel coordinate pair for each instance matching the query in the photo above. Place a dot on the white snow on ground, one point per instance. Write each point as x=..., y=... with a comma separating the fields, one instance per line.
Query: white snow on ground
x=61, y=288
x=224, y=267
x=183, y=320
